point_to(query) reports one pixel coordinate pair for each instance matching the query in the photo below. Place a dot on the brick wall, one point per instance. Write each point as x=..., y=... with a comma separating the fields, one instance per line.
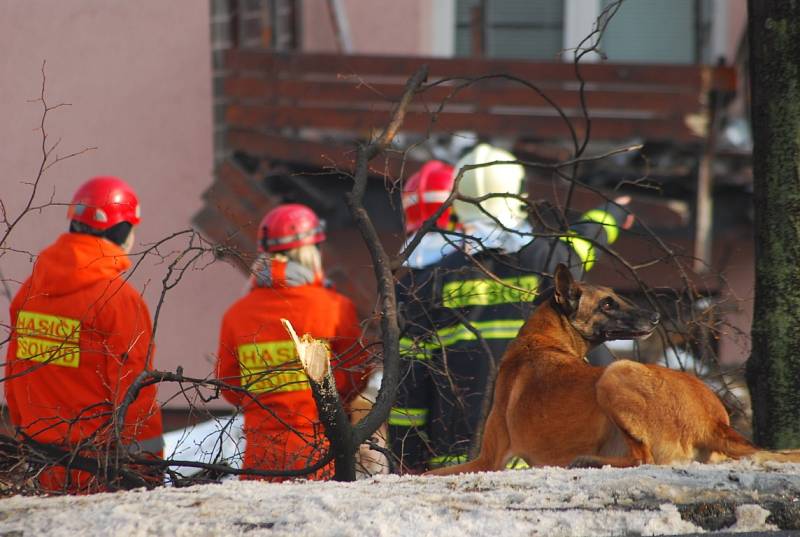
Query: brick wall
x=271, y=24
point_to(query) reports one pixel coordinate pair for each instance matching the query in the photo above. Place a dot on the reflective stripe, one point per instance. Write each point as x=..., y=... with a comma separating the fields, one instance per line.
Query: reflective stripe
x=408, y=417
x=516, y=463
x=271, y=366
x=485, y=292
x=49, y=352
x=52, y=327
x=605, y=219
x=432, y=196
x=416, y=350
x=584, y=248
x=435, y=196
x=446, y=460
x=446, y=337
x=48, y=339
x=497, y=329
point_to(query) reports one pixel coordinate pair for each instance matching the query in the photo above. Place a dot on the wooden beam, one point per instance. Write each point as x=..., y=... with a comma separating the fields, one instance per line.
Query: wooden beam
x=365, y=122
x=481, y=95
x=289, y=65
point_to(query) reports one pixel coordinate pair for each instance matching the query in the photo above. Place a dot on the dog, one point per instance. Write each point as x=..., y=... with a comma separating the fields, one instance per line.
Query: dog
x=551, y=408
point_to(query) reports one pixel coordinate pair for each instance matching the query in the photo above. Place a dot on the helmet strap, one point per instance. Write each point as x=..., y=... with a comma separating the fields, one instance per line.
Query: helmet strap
x=117, y=234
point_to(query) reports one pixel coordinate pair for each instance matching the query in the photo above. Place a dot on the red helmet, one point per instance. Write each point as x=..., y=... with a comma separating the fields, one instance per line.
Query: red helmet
x=103, y=202
x=425, y=192
x=289, y=226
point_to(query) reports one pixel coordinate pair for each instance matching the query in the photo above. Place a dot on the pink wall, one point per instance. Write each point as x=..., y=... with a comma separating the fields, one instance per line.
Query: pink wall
x=138, y=77
x=737, y=26
x=738, y=271
x=376, y=26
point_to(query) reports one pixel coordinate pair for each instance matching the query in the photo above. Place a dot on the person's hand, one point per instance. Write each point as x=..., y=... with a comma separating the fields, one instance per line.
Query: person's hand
x=624, y=201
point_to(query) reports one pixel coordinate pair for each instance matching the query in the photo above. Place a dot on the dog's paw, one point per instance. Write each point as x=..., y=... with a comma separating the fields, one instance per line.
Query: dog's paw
x=585, y=461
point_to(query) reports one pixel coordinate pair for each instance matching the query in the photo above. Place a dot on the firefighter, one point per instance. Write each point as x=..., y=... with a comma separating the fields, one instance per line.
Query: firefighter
x=470, y=316
x=80, y=337
x=257, y=357
x=423, y=195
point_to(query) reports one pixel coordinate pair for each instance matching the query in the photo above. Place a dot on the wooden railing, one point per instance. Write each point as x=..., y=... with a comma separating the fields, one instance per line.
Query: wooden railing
x=307, y=109
x=271, y=93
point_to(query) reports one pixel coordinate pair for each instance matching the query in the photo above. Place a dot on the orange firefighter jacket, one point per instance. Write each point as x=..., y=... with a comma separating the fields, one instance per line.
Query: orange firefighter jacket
x=282, y=428
x=80, y=337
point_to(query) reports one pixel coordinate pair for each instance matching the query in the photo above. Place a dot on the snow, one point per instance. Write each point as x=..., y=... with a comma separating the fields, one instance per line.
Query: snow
x=220, y=440
x=542, y=501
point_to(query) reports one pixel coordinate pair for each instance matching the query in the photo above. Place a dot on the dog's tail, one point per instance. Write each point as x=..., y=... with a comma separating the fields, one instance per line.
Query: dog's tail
x=736, y=446
x=727, y=441
x=783, y=455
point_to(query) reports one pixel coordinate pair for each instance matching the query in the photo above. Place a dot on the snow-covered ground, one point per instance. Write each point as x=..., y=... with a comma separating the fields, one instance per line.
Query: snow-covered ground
x=643, y=501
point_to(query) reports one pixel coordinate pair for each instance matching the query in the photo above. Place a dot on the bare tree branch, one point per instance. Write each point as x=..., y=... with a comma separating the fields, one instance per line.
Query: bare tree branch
x=390, y=330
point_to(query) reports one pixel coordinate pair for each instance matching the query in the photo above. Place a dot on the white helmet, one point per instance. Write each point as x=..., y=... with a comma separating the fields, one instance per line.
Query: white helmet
x=496, y=179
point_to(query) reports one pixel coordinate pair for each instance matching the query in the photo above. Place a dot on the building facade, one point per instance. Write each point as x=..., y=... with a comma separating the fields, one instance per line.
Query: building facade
x=144, y=81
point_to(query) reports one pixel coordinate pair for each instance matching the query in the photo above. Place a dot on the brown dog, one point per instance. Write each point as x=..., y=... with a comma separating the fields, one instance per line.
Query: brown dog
x=552, y=408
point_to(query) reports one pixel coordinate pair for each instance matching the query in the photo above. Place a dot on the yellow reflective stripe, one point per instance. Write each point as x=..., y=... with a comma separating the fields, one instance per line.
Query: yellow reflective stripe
x=51, y=327
x=485, y=292
x=497, y=329
x=584, y=248
x=263, y=366
x=516, y=463
x=406, y=343
x=408, y=417
x=48, y=352
x=445, y=337
x=605, y=219
x=48, y=339
x=415, y=350
x=446, y=460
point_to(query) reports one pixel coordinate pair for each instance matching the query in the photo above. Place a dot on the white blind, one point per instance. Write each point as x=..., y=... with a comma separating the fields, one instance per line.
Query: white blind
x=652, y=31
x=529, y=29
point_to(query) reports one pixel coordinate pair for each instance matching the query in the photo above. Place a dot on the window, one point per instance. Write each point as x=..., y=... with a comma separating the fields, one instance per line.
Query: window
x=642, y=31
x=654, y=31
x=529, y=29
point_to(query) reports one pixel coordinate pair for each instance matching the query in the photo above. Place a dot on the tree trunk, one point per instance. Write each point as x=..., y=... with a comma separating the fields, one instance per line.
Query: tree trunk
x=773, y=370
x=315, y=356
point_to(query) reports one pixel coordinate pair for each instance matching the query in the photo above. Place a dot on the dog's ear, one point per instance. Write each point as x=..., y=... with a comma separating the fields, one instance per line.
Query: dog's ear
x=567, y=291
